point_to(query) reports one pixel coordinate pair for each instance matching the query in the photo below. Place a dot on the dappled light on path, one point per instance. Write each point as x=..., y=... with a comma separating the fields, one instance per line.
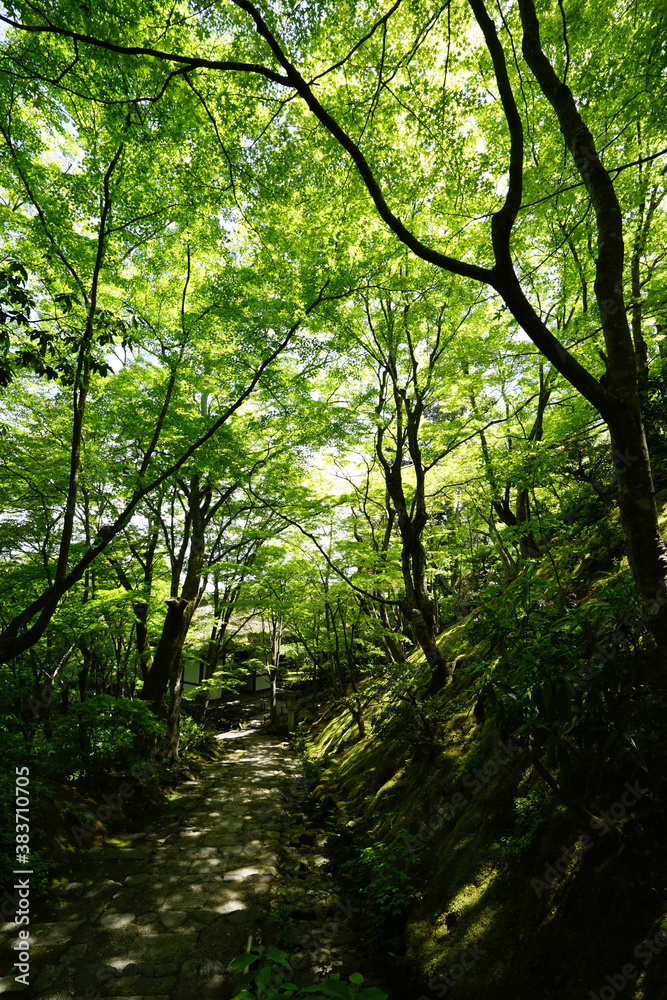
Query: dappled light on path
x=168, y=909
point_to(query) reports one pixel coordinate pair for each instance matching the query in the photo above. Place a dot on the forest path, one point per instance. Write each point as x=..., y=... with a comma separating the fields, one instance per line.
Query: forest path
x=166, y=911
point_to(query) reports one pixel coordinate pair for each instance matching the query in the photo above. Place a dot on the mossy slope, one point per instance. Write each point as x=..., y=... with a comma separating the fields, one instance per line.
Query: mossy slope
x=512, y=891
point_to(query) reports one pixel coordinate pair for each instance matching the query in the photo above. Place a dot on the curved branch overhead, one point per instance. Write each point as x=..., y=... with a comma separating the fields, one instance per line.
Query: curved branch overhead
x=340, y=73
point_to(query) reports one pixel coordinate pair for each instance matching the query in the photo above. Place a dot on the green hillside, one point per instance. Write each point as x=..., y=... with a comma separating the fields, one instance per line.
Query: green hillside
x=530, y=857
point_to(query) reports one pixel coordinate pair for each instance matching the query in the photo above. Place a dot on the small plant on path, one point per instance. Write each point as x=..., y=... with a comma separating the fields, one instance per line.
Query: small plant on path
x=269, y=983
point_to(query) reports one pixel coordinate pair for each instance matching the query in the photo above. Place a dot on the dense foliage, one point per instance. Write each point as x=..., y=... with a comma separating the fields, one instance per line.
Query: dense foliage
x=319, y=325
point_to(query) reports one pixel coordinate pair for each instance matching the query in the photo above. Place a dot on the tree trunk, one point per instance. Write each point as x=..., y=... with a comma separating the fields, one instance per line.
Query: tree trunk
x=357, y=710
x=644, y=545
x=140, y=607
x=417, y=605
x=168, y=655
x=616, y=396
x=390, y=640
x=528, y=547
x=82, y=678
x=510, y=567
x=64, y=697
x=172, y=739
x=143, y=645
x=273, y=678
x=500, y=500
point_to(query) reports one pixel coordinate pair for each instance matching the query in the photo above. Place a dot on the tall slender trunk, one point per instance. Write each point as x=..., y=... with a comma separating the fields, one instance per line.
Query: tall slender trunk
x=273, y=696
x=173, y=735
x=618, y=398
x=274, y=654
x=167, y=669
x=143, y=645
x=417, y=605
x=168, y=655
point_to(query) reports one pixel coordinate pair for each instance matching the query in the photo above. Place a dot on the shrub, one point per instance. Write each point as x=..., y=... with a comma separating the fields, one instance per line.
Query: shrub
x=552, y=686
x=195, y=738
x=381, y=874
x=531, y=813
x=271, y=982
x=100, y=734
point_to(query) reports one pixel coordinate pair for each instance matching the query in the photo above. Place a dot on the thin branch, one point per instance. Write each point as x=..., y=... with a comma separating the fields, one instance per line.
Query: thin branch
x=188, y=62
x=382, y=22
x=565, y=41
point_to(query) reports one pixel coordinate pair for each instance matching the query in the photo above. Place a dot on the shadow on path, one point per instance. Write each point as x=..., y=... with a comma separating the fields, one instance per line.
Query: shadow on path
x=165, y=913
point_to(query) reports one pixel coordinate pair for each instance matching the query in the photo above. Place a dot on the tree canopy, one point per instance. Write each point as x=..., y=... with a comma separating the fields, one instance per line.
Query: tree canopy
x=381, y=286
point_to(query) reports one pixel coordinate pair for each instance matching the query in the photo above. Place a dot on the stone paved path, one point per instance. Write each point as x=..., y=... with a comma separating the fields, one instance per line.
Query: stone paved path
x=172, y=908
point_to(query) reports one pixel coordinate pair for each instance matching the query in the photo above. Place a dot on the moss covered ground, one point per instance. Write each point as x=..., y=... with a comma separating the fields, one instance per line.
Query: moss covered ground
x=480, y=881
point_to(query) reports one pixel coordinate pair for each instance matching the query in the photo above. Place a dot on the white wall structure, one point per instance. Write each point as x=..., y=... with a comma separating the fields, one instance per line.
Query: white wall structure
x=193, y=676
